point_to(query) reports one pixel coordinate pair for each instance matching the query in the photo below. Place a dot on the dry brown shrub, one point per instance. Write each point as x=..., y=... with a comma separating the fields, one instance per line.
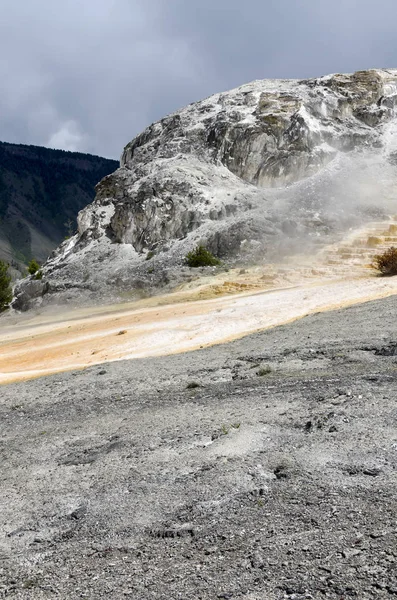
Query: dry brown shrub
x=386, y=263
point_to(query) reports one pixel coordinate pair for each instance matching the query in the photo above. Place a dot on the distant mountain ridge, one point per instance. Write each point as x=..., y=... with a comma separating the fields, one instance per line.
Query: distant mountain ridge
x=41, y=192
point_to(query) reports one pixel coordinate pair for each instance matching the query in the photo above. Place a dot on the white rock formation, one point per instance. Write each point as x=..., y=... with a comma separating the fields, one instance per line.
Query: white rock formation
x=249, y=172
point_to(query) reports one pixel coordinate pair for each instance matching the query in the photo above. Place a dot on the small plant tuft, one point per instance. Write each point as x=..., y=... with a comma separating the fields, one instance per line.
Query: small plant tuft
x=266, y=370
x=150, y=255
x=29, y=584
x=201, y=257
x=386, y=263
x=225, y=429
x=39, y=275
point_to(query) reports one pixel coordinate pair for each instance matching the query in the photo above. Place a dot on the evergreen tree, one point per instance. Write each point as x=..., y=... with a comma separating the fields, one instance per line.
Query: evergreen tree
x=5, y=288
x=201, y=257
x=33, y=266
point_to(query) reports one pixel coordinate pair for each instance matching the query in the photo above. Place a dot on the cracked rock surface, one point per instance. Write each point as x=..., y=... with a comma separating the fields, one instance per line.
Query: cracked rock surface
x=263, y=468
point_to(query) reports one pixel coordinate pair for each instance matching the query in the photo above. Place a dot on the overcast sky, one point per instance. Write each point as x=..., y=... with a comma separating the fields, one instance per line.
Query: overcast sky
x=89, y=75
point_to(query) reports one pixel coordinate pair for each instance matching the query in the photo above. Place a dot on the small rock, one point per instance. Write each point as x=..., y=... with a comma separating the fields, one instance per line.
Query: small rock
x=192, y=385
x=281, y=472
x=350, y=552
x=78, y=513
x=372, y=472
x=392, y=589
x=377, y=534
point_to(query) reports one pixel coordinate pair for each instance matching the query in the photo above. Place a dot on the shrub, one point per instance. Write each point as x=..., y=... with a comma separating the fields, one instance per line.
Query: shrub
x=39, y=275
x=201, y=257
x=5, y=288
x=33, y=266
x=386, y=262
x=266, y=370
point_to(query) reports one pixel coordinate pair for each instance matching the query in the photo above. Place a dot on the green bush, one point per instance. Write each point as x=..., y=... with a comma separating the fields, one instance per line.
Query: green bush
x=266, y=370
x=201, y=257
x=386, y=262
x=5, y=288
x=33, y=266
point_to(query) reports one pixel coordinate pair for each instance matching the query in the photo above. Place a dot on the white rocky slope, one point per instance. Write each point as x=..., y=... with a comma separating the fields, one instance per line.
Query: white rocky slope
x=259, y=170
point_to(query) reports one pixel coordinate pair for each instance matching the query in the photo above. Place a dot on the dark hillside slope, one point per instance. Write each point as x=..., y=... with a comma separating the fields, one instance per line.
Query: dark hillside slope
x=41, y=192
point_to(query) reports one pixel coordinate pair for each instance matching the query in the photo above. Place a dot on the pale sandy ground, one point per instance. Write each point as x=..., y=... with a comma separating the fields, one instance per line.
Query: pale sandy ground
x=79, y=340
x=203, y=313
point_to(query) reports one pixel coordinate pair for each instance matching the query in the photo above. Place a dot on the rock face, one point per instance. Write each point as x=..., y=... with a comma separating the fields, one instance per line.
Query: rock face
x=248, y=172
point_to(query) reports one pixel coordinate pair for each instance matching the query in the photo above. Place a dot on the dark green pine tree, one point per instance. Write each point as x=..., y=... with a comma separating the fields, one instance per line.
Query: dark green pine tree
x=5, y=287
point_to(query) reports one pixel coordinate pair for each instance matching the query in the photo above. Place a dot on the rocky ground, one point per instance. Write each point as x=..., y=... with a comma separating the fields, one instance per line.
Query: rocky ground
x=260, y=469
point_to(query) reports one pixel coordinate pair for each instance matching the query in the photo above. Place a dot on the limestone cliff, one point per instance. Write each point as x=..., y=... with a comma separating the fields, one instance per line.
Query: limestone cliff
x=248, y=172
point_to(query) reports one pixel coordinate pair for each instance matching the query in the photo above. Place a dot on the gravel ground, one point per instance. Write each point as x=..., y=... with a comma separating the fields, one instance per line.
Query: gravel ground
x=261, y=469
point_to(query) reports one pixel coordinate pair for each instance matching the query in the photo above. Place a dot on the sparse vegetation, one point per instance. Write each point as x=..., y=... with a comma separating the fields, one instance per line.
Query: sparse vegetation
x=386, y=263
x=225, y=429
x=150, y=255
x=29, y=584
x=201, y=257
x=266, y=370
x=39, y=275
x=5, y=287
x=33, y=266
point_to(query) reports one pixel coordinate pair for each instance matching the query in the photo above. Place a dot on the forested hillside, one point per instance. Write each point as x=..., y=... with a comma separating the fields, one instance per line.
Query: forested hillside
x=41, y=192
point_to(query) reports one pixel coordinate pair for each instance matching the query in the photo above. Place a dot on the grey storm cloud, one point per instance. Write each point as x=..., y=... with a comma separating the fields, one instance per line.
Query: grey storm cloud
x=89, y=75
